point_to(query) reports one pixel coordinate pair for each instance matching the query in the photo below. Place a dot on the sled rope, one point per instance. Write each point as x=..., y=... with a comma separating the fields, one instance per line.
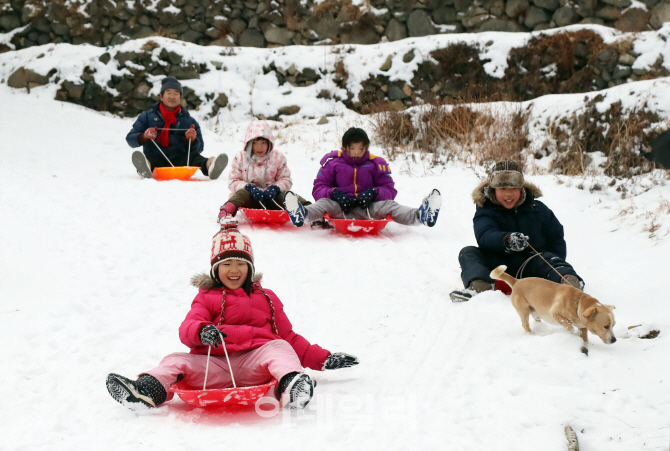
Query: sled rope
x=209, y=350
x=519, y=273
x=188, y=155
x=161, y=151
x=280, y=207
x=559, y=274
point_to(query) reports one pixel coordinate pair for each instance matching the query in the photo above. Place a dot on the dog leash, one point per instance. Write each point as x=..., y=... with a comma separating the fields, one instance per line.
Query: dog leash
x=545, y=260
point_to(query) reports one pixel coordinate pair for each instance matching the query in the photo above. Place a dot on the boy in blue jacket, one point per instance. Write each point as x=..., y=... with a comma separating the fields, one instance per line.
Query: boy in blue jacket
x=509, y=218
x=164, y=132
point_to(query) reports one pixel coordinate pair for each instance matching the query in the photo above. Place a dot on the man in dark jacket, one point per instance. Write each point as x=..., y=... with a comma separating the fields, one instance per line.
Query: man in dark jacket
x=165, y=132
x=509, y=223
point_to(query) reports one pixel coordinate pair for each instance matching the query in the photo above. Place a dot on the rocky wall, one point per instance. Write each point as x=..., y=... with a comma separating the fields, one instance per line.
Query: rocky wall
x=269, y=23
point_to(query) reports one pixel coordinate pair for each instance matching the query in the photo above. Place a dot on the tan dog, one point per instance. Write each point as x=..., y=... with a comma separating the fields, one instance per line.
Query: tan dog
x=559, y=304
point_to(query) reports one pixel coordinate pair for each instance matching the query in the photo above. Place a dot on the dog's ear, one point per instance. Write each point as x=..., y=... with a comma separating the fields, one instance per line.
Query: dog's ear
x=610, y=306
x=591, y=313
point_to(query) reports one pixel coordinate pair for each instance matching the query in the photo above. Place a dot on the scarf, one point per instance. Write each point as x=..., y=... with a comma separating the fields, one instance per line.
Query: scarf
x=169, y=117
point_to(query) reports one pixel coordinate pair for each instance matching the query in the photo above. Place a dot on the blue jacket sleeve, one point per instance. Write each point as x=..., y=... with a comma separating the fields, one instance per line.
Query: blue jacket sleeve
x=553, y=232
x=487, y=232
x=139, y=127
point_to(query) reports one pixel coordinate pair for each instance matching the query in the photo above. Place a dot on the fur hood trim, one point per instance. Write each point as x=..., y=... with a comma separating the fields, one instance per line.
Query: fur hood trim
x=204, y=280
x=479, y=194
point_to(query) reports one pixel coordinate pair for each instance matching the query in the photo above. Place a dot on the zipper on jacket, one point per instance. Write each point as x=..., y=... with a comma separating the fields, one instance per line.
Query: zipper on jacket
x=355, y=187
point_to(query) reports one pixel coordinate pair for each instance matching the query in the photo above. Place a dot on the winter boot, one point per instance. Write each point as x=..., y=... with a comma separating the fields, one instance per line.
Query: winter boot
x=295, y=390
x=144, y=391
x=574, y=281
x=476, y=286
x=429, y=208
x=141, y=164
x=227, y=212
x=216, y=165
x=294, y=209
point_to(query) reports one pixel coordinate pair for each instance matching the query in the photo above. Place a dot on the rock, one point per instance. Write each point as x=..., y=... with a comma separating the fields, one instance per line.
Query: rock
x=606, y=55
x=535, y=16
x=407, y=90
x=184, y=72
x=322, y=121
x=276, y=35
x=445, y=15
x=542, y=26
x=326, y=27
x=310, y=75
x=105, y=58
x=621, y=4
x=516, y=8
x=23, y=78
x=586, y=8
x=609, y=13
x=221, y=100
x=499, y=25
x=407, y=57
x=659, y=15
x=592, y=20
x=237, y=26
x=387, y=64
x=626, y=59
x=191, y=36
x=621, y=72
x=551, y=5
x=359, y=36
x=141, y=91
x=496, y=7
x=564, y=16
x=462, y=5
x=74, y=91
x=123, y=57
x=292, y=70
x=396, y=92
x=395, y=30
x=650, y=3
x=124, y=85
x=474, y=17
x=60, y=29
x=397, y=105
x=252, y=38
x=419, y=24
x=288, y=110
x=10, y=22
x=633, y=20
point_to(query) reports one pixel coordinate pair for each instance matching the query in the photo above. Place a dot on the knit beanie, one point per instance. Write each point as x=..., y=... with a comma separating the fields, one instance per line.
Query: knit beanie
x=230, y=244
x=171, y=83
x=506, y=174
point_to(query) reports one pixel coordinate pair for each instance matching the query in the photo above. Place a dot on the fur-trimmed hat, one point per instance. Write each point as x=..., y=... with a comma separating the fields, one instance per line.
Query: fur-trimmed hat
x=230, y=244
x=171, y=83
x=506, y=174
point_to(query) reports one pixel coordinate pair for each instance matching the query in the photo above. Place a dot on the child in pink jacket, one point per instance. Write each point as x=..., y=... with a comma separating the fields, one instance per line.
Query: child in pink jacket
x=259, y=176
x=261, y=344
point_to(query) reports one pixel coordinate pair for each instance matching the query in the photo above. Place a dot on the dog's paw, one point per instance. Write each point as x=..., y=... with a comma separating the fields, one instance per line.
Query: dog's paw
x=585, y=350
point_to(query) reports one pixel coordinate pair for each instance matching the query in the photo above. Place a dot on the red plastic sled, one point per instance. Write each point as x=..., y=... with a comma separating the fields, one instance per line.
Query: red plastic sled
x=501, y=285
x=174, y=173
x=222, y=397
x=267, y=216
x=358, y=227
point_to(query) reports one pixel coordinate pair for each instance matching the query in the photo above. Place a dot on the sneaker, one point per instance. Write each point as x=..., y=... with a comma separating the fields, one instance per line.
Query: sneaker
x=430, y=207
x=294, y=209
x=295, y=390
x=145, y=391
x=216, y=165
x=141, y=164
x=475, y=287
x=574, y=281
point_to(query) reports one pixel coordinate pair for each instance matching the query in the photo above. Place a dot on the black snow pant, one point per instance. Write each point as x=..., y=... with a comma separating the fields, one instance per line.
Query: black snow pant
x=193, y=160
x=478, y=264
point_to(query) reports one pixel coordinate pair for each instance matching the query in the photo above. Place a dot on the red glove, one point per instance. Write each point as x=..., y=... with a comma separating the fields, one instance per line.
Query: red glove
x=191, y=134
x=149, y=134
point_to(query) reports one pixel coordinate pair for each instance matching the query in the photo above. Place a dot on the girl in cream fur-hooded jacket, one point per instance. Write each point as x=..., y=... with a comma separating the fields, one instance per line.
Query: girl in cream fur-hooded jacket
x=270, y=169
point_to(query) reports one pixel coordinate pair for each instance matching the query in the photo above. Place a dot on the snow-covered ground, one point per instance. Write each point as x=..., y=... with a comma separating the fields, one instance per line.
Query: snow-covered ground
x=94, y=278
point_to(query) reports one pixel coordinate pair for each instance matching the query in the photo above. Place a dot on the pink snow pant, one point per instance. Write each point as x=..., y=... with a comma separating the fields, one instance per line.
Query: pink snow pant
x=254, y=367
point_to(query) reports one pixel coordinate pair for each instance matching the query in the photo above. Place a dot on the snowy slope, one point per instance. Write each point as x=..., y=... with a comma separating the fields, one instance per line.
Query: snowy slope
x=94, y=279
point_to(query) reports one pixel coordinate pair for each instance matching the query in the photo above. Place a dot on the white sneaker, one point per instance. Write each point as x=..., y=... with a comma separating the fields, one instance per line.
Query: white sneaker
x=141, y=164
x=294, y=209
x=430, y=208
x=217, y=165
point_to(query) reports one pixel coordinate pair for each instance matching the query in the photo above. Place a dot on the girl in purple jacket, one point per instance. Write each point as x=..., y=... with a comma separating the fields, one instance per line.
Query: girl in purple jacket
x=258, y=336
x=354, y=184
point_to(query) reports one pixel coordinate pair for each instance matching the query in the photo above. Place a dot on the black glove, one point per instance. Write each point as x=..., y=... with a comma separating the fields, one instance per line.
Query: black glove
x=271, y=193
x=340, y=360
x=211, y=335
x=255, y=192
x=343, y=199
x=516, y=241
x=366, y=197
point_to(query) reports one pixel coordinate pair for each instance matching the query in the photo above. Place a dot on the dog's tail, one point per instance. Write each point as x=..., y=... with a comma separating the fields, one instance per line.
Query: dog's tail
x=500, y=274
